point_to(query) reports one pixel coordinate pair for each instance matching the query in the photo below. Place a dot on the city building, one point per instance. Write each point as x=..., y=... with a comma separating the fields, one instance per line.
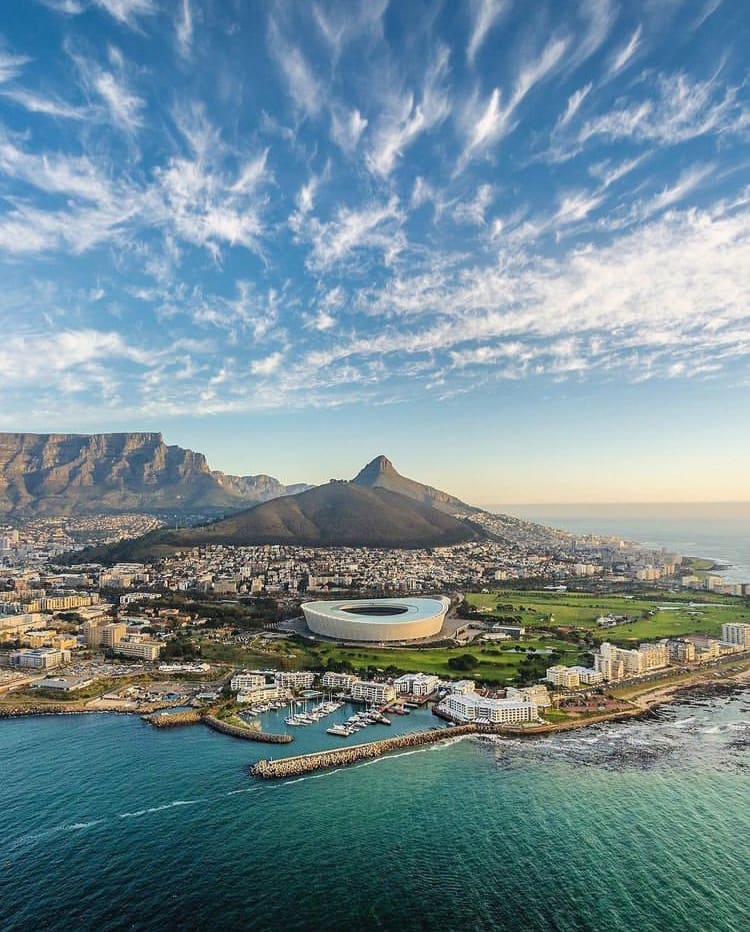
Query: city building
x=138, y=648
x=679, y=650
x=38, y=658
x=471, y=707
x=462, y=687
x=587, y=676
x=564, y=677
x=537, y=694
x=373, y=692
x=113, y=633
x=341, y=681
x=416, y=684
x=245, y=682
x=299, y=679
x=736, y=633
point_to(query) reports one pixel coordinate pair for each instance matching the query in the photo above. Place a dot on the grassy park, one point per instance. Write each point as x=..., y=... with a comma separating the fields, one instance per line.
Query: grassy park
x=656, y=614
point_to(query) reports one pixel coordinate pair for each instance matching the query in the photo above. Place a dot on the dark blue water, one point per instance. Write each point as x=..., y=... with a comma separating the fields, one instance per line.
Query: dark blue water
x=109, y=824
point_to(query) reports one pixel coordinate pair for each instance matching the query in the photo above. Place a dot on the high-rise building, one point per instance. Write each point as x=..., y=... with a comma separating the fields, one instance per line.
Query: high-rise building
x=736, y=633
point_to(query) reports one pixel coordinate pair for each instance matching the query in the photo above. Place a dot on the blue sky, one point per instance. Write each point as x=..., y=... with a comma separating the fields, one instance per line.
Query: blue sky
x=505, y=243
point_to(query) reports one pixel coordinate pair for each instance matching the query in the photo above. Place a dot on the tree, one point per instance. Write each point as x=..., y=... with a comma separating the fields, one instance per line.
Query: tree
x=463, y=662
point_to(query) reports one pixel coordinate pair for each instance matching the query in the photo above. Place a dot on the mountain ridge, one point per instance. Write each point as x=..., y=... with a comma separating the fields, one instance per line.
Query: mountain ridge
x=58, y=473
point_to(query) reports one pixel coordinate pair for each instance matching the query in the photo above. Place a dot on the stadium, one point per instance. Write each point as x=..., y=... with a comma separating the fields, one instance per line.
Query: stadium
x=377, y=619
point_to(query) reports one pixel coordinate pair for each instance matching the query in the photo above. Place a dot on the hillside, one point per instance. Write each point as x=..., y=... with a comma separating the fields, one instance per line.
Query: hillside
x=54, y=474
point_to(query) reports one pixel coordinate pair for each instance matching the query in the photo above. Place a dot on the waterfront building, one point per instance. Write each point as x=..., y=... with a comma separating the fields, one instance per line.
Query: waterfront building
x=588, y=676
x=614, y=663
x=565, y=677
x=299, y=679
x=267, y=692
x=679, y=650
x=736, y=633
x=462, y=687
x=538, y=694
x=343, y=681
x=244, y=682
x=471, y=707
x=373, y=692
x=416, y=684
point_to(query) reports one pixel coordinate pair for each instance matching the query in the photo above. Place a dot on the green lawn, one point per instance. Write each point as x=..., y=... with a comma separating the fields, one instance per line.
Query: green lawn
x=497, y=662
x=540, y=609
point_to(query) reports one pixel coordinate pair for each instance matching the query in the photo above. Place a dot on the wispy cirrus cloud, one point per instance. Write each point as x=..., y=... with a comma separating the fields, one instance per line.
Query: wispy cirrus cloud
x=485, y=14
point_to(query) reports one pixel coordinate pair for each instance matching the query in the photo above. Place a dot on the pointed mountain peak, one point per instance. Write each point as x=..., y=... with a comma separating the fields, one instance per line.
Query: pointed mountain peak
x=380, y=466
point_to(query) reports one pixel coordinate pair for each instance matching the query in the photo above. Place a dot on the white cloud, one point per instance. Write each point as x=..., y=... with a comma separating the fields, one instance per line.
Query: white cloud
x=574, y=104
x=302, y=85
x=49, y=106
x=11, y=65
x=473, y=211
x=484, y=15
x=184, y=29
x=599, y=16
x=268, y=365
x=373, y=227
x=679, y=109
x=124, y=107
x=347, y=128
x=486, y=123
x=340, y=25
x=623, y=55
x=127, y=11
x=406, y=118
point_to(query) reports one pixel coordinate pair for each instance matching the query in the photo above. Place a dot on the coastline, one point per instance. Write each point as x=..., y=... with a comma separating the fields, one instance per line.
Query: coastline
x=643, y=703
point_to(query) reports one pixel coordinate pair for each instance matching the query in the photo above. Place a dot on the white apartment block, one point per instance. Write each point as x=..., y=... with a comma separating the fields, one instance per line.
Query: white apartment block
x=268, y=692
x=614, y=663
x=338, y=680
x=471, y=707
x=538, y=694
x=565, y=677
x=301, y=679
x=244, y=682
x=736, y=633
x=462, y=687
x=416, y=684
x=373, y=692
x=588, y=676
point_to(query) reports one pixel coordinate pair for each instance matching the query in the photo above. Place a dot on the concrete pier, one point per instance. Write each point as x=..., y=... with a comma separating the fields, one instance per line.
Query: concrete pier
x=342, y=757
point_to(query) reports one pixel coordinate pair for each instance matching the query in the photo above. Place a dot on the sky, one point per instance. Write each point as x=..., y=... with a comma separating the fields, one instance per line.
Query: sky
x=505, y=243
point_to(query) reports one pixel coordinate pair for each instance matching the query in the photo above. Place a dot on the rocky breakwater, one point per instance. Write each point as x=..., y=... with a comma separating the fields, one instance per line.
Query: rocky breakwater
x=343, y=757
x=172, y=719
x=249, y=734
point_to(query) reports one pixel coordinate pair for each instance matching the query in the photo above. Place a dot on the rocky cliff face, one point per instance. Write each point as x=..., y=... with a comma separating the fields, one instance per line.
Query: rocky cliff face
x=48, y=474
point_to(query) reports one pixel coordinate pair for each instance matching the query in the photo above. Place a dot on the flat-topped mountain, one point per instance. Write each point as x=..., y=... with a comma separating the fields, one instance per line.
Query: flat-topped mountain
x=380, y=473
x=54, y=474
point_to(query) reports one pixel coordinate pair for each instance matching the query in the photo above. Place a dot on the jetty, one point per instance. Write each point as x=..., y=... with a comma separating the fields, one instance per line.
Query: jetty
x=342, y=757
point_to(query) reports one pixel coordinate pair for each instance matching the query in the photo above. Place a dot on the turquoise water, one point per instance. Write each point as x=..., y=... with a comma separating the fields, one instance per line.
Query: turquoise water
x=109, y=824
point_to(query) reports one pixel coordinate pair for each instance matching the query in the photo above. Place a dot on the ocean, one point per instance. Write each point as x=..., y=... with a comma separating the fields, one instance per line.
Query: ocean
x=109, y=824
x=720, y=531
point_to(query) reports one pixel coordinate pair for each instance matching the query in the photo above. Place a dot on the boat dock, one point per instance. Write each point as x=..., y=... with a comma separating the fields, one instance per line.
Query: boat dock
x=342, y=757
